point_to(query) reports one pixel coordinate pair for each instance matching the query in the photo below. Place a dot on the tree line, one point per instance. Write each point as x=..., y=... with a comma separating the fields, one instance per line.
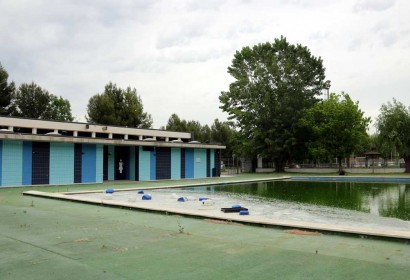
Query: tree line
x=275, y=105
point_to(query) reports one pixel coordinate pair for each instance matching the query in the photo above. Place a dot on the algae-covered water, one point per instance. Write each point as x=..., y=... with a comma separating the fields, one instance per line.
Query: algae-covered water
x=377, y=199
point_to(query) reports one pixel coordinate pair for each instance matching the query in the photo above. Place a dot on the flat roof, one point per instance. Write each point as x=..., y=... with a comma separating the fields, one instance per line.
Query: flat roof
x=57, y=131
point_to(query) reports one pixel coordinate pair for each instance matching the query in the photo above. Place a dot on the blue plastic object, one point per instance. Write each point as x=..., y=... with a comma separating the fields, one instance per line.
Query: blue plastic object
x=203, y=198
x=182, y=199
x=109, y=191
x=244, y=212
x=146, y=197
x=141, y=192
x=236, y=206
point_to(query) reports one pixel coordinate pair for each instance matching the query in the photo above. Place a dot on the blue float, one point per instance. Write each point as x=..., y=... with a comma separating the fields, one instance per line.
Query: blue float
x=244, y=212
x=203, y=198
x=141, y=192
x=146, y=197
x=109, y=191
x=182, y=199
x=236, y=206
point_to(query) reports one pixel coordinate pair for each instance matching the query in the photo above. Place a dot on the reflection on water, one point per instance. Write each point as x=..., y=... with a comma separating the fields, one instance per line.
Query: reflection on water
x=386, y=200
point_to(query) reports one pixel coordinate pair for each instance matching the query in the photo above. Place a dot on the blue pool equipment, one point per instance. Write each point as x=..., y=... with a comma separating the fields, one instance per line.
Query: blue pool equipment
x=109, y=191
x=146, y=197
x=141, y=192
x=244, y=212
x=236, y=206
x=203, y=198
x=182, y=199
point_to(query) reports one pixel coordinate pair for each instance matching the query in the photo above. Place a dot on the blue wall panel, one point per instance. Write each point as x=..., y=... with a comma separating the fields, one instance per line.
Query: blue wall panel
x=189, y=163
x=175, y=163
x=88, y=173
x=99, y=163
x=144, y=165
x=61, y=163
x=27, y=162
x=111, y=158
x=132, y=163
x=200, y=163
x=212, y=154
x=153, y=162
x=12, y=159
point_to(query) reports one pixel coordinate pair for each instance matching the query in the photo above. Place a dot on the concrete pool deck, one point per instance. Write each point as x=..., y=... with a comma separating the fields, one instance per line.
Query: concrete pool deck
x=159, y=205
x=52, y=239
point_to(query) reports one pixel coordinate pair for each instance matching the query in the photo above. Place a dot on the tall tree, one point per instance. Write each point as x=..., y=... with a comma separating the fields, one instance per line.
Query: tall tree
x=338, y=128
x=116, y=106
x=31, y=101
x=6, y=92
x=393, y=125
x=274, y=85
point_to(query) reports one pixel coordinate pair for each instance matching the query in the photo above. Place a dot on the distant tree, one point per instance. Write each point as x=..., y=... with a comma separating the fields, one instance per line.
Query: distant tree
x=6, y=92
x=175, y=124
x=338, y=128
x=31, y=101
x=219, y=132
x=393, y=126
x=116, y=106
x=225, y=134
x=274, y=84
x=60, y=109
x=199, y=132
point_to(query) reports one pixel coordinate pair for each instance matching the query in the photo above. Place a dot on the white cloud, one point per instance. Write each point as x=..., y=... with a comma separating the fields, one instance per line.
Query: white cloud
x=373, y=5
x=176, y=53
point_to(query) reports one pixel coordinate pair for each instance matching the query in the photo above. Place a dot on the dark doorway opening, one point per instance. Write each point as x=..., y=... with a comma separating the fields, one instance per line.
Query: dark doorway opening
x=122, y=163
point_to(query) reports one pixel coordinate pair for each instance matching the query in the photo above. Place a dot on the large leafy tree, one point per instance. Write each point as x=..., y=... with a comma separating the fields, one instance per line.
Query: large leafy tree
x=274, y=84
x=393, y=125
x=6, y=92
x=32, y=101
x=338, y=128
x=117, y=106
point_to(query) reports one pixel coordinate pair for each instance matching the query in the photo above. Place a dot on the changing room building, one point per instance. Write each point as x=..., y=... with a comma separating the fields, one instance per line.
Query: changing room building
x=38, y=152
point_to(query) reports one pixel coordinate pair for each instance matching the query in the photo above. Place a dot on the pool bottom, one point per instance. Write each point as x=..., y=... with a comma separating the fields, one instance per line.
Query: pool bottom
x=166, y=202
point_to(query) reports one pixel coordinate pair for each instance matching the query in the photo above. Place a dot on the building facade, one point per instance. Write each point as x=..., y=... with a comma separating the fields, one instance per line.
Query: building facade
x=37, y=152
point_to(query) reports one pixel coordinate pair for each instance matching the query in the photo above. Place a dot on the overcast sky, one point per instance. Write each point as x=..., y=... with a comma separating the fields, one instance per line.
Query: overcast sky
x=176, y=53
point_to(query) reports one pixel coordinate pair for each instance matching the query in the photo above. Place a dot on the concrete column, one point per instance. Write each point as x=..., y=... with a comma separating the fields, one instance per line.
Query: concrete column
x=34, y=130
x=75, y=133
x=125, y=136
x=260, y=162
x=109, y=135
x=93, y=134
x=11, y=128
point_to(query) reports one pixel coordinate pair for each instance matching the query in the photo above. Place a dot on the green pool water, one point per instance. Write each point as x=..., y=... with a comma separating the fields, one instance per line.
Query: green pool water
x=380, y=199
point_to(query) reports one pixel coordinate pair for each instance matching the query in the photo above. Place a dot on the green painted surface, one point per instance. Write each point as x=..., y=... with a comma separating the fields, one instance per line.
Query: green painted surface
x=52, y=239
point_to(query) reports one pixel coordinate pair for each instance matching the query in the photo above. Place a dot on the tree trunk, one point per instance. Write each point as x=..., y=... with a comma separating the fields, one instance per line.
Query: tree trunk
x=407, y=164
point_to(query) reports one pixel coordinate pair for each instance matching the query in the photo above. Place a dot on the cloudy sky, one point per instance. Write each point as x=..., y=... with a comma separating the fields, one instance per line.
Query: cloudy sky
x=176, y=53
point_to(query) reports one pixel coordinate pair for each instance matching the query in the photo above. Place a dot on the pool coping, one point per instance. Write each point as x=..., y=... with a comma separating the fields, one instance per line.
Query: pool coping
x=153, y=206
x=340, y=178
